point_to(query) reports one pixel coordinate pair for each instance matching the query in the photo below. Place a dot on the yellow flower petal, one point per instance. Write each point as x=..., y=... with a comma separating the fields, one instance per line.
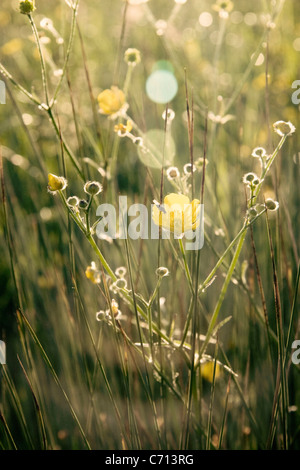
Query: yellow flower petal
x=111, y=100
x=56, y=183
x=93, y=274
x=178, y=214
x=176, y=199
x=207, y=371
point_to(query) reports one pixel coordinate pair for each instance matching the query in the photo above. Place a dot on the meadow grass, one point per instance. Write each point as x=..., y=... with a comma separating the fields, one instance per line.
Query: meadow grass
x=144, y=344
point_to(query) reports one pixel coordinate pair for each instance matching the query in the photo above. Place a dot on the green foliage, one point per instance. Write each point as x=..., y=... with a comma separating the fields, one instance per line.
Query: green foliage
x=199, y=358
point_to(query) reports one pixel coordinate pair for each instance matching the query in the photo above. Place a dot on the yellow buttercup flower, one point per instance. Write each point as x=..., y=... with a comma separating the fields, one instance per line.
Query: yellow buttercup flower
x=111, y=101
x=56, y=183
x=177, y=214
x=207, y=371
x=92, y=273
x=114, y=307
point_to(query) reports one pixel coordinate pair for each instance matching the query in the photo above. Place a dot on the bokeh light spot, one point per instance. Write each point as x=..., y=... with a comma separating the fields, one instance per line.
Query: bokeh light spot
x=205, y=19
x=161, y=86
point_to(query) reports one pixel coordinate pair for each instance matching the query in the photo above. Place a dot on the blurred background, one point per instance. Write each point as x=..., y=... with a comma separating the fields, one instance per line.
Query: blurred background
x=213, y=57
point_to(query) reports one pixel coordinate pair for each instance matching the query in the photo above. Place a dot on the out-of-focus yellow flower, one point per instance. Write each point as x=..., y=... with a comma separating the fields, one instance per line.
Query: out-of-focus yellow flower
x=56, y=183
x=114, y=307
x=10, y=47
x=177, y=214
x=207, y=371
x=92, y=273
x=121, y=129
x=111, y=100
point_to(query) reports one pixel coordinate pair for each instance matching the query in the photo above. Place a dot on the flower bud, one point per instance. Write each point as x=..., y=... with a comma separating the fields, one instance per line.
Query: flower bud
x=27, y=6
x=93, y=188
x=56, y=183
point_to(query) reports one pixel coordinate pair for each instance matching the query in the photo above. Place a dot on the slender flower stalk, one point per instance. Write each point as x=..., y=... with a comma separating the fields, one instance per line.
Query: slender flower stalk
x=42, y=61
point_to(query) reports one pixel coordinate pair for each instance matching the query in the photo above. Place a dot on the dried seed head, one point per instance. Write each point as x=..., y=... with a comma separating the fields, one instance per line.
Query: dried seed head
x=172, y=173
x=188, y=169
x=83, y=204
x=121, y=271
x=162, y=271
x=101, y=315
x=168, y=115
x=251, y=179
x=132, y=56
x=259, y=152
x=93, y=188
x=73, y=201
x=283, y=128
x=271, y=205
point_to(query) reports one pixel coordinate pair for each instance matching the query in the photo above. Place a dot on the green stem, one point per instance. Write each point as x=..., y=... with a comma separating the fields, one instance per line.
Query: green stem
x=222, y=294
x=126, y=295
x=266, y=169
x=70, y=44
x=43, y=67
x=127, y=80
x=7, y=75
x=187, y=270
x=116, y=142
x=65, y=145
